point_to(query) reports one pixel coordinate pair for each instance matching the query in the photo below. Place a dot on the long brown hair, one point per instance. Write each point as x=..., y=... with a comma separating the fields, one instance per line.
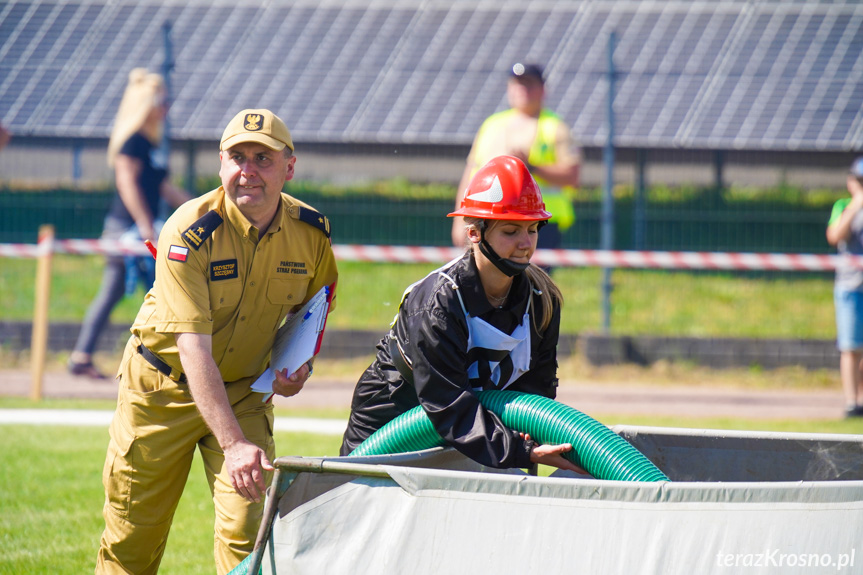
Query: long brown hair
x=539, y=280
x=549, y=293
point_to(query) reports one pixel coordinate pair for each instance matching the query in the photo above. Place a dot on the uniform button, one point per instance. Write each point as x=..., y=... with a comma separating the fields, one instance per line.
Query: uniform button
x=243, y=318
x=290, y=296
x=252, y=284
x=221, y=300
x=230, y=350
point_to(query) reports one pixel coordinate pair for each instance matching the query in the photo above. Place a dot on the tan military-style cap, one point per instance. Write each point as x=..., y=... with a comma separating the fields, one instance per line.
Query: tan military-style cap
x=260, y=126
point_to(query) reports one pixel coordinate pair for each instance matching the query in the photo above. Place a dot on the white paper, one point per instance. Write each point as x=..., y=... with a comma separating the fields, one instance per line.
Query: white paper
x=296, y=340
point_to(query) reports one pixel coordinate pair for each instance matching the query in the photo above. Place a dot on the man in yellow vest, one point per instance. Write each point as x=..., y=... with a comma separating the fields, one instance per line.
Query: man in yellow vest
x=539, y=138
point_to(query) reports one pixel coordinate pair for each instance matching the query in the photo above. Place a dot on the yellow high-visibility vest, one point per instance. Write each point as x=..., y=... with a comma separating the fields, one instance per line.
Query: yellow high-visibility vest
x=542, y=153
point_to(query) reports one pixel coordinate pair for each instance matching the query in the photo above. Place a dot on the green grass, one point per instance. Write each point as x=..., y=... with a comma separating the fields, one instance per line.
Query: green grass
x=8, y=402
x=75, y=281
x=51, y=496
x=643, y=301
x=51, y=501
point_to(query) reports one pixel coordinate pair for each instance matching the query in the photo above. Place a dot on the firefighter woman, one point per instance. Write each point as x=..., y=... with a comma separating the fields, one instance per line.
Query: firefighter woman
x=487, y=320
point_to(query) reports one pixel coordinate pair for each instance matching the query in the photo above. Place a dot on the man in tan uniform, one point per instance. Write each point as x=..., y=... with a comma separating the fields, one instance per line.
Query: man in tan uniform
x=231, y=264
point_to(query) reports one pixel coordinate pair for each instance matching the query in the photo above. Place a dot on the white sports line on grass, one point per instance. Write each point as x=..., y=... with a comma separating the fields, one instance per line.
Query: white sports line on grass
x=94, y=418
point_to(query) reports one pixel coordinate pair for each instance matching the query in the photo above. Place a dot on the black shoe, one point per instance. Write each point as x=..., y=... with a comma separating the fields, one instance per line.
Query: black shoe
x=856, y=411
x=84, y=370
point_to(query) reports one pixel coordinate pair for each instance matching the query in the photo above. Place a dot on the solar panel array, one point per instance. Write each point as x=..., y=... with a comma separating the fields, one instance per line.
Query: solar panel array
x=782, y=75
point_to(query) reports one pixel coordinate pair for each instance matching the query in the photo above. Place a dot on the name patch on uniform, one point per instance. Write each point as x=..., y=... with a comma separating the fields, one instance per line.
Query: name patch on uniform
x=223, y=270
x=178, y=253
x=292, y=268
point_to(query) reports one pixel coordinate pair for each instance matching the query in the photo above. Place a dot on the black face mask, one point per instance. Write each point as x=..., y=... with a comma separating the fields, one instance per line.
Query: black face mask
x=508, y=267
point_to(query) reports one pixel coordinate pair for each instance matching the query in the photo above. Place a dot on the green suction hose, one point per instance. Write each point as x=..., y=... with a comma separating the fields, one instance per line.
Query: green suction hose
x=595, y=448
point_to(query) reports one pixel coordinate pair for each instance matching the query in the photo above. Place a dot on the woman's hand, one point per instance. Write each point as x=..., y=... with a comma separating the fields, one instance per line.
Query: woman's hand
x=148, y=232
x=553, y=455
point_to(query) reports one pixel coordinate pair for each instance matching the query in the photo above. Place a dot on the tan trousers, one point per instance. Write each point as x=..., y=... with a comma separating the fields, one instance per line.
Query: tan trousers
x=154, y=433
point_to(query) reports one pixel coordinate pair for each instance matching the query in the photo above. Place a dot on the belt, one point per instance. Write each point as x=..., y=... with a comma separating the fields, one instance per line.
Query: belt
x=160, y=365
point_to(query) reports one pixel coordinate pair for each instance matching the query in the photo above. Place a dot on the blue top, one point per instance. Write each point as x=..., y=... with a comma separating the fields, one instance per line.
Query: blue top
x=153, y=173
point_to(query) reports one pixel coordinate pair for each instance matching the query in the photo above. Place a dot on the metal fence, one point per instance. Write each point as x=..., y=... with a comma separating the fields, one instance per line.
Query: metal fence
x=696, y=220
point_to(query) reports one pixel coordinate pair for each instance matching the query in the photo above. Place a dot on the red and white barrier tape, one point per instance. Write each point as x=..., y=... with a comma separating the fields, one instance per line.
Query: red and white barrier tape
x=396, y=254
x=614, y=259
x=556, y=258
x=82, y=247
x=694, y=260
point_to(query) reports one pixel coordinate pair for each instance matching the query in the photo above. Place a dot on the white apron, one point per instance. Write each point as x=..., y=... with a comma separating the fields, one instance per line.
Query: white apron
x=495, y=359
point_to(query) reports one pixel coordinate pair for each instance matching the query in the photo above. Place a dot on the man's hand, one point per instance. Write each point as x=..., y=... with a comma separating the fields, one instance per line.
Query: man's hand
x=245, y=463
x=553, y=455
x=841, y=229
x=290, y=385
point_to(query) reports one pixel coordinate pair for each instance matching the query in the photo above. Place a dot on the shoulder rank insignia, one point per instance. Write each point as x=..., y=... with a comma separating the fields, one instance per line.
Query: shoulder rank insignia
x=315, y=219
x=202, y=229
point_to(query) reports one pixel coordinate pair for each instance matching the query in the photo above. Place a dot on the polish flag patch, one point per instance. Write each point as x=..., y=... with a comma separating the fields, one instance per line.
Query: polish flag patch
x=178, y=253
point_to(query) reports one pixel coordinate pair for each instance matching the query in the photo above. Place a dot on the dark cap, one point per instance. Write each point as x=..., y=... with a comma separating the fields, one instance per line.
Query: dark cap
x=857, y=168
x=520, y=70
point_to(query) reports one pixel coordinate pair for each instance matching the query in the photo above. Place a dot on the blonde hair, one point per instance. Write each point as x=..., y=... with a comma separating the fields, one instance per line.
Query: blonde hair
x=144, y=92
x=549, y=292
x=539, y=280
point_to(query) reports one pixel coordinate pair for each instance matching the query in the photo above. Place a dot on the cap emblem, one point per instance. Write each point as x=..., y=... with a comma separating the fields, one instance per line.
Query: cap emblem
x=253, y=122
x=492, y=195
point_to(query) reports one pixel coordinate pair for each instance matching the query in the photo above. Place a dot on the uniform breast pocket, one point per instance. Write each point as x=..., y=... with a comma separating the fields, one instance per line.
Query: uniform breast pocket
x=282, y=295
x=225, y=294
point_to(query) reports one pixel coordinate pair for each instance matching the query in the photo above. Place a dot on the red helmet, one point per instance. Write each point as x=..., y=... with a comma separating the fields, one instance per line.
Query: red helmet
x=503, y=189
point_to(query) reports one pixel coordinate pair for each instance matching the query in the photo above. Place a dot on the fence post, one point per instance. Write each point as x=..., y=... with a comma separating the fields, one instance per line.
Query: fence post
x=39, y=341
x=191, y=169
x=607, y=231
x=640, y=191
x=167, y=66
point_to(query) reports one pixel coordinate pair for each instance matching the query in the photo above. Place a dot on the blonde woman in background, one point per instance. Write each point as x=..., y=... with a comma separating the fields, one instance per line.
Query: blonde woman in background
x=141, y=175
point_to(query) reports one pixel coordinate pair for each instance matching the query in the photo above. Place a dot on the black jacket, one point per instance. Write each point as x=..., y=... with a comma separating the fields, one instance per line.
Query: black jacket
x=433, y=333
